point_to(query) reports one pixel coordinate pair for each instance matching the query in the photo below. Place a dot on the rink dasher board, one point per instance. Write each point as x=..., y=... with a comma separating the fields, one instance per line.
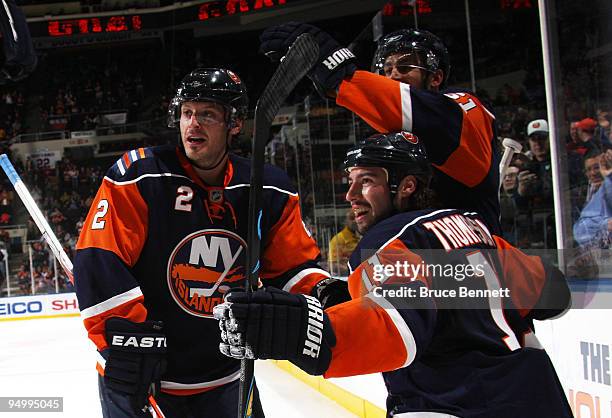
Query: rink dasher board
x=38, y=306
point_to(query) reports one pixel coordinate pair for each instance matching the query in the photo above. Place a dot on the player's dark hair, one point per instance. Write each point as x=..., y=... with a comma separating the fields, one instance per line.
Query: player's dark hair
x=423, y=198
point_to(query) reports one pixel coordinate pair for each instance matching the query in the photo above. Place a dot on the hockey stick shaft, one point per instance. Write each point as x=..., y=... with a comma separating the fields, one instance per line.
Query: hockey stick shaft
x=300, y=58
x=37, y=215
x=367, y=33
x=51, y=239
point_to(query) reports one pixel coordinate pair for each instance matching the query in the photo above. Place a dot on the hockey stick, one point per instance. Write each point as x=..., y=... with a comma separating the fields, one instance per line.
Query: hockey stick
x=37, y=215
x=371, y=32
x=51, y=239
x=511, y=147
x=299, y=59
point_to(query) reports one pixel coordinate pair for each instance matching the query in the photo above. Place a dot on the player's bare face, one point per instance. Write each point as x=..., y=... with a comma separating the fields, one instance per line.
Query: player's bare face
x=203, y=132
x=369, y=196
x=405, y=68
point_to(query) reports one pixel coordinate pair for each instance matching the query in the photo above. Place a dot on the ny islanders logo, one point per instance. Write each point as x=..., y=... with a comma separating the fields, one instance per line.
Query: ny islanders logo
x=410, y=137
x=203, y=267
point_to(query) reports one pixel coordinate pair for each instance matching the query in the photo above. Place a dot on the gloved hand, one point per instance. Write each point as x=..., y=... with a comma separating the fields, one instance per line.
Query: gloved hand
x=331, y=292
x=273, y=324
x=335, y=62
x=136, y=359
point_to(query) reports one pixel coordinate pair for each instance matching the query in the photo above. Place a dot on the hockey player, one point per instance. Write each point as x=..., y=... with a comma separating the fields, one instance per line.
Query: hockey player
x=165, y=240
x=469, y=354
x=406, y=92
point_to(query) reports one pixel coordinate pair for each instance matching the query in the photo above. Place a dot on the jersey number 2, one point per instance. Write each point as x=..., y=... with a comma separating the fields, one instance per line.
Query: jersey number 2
x=98, y=221
x=184, y=194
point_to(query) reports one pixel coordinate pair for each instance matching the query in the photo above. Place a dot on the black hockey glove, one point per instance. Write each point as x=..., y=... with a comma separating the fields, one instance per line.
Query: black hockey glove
x=331, y=292
x=136, y=359
x=273, y=324
x=335, y=62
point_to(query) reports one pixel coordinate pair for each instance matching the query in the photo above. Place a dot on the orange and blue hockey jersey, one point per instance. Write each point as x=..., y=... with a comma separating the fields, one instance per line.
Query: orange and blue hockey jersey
x=458, y=132
x=467, y=354
x=158, y=244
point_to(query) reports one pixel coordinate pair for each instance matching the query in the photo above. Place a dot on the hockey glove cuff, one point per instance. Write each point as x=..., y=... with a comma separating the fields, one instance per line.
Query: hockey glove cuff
x=335, y=62
x=136, y=359
x=331, y=292
x=273, y=324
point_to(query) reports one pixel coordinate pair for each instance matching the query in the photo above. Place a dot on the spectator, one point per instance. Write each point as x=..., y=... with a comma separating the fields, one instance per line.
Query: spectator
x=594, y=226
x=585, y=129
x=341, y=246
x=535, y=177
x=592, y=170
x=535, y=192
x=24, y=280
x=603, y=131
x=507, y=204
x=576, y=151
x=3, y=258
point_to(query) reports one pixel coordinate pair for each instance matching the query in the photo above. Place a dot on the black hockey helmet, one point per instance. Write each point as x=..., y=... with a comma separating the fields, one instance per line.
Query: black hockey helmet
x=432, y=52
x=399, y=153
x=210, y=85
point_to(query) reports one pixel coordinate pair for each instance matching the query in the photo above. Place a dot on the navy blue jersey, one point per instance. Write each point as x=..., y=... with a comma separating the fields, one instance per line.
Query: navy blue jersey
x=158, y=244
x=459, y=134
x=470, y=353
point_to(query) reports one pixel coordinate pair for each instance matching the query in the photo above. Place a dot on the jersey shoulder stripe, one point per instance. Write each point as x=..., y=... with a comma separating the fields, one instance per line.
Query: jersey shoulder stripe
x=150, y=160
x=126, y=160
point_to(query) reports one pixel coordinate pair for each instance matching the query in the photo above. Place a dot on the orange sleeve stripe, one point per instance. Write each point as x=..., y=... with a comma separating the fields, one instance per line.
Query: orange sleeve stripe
x=141, y=152
x=376, y=99
x=367, y=340
x=289, y=245
x=133, y=310
x=475, y=149
x=126, y=160
x=525, y=275
x=120, y=225
x=100, y=369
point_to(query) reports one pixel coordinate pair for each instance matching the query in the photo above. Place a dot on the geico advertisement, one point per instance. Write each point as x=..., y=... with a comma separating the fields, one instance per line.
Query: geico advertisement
x=23, y=307
x=580, y=348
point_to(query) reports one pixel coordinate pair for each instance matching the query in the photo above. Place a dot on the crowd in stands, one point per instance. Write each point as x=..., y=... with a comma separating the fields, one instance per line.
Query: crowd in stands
x=526, y=194
x=64, y=194
x=11, y=112
x=87, y=87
